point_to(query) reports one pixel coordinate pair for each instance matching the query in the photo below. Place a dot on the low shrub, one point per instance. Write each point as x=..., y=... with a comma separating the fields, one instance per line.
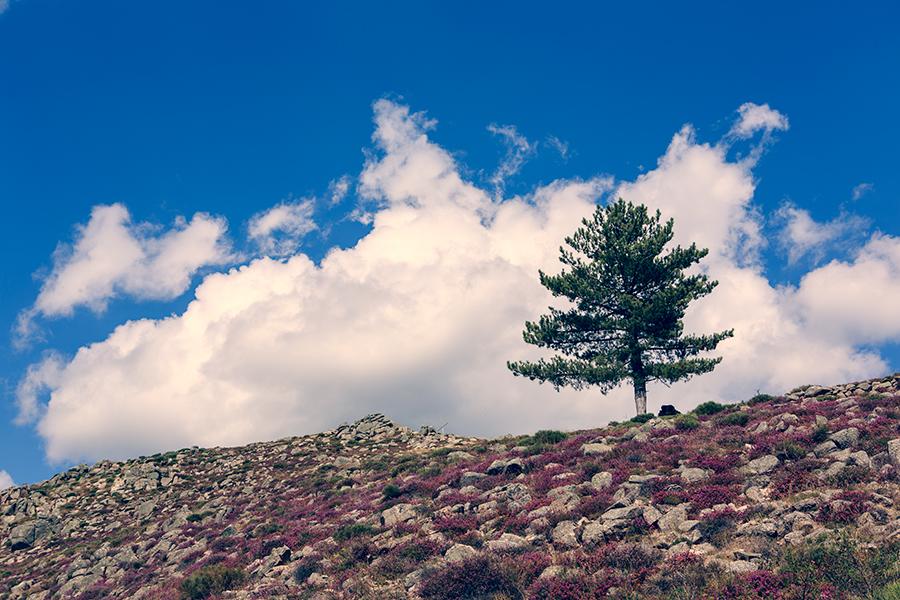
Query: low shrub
x=735, y=419
x=686, y=422
x=353, y=531
x=211, y=580
x=718, y=526
x=709, y=408
x=390, y=491
x=789, y=450
x=473, y=578
x=307, y=566
x=548, y=436
x=642, y=418
x=760, y=399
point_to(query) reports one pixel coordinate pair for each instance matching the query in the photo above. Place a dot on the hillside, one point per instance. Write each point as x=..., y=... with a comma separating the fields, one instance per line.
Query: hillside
x=789, y=497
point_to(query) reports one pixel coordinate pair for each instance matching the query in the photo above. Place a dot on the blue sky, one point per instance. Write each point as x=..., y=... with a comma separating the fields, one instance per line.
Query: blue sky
x=233, y=221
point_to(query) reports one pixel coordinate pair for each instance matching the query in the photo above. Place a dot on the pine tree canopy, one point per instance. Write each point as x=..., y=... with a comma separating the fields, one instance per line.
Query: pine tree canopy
x=629, y=300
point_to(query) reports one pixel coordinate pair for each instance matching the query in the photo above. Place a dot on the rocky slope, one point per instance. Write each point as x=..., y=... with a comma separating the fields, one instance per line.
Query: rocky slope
x=788, y=497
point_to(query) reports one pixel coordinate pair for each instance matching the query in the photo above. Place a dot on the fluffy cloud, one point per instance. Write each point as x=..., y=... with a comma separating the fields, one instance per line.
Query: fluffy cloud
x=754, y=118
x=4, y=5
x=861, y=189
x=112, y=256
x=802, y=235
x=279, y=230
x=5, y=480
x=518, y=151
x=419, y=318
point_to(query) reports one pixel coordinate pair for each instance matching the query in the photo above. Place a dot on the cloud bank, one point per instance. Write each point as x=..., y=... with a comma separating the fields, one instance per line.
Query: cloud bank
x=418, y=319
x=5, y=480
x=112, y=256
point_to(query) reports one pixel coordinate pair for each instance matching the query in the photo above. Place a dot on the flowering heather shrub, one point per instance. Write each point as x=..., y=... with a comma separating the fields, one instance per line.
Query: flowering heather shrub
x=628, y=556
x=724, y=462
x=208, y=581
x=456, y=525
x=759, y=585
x=791, y=481
x=733, y=437
x=707, y=496
x=401, y=528
x=844, y=507
x=849, y=477
x=473, y=578
x=573, y=587
x=594, y=504
x=420, y=549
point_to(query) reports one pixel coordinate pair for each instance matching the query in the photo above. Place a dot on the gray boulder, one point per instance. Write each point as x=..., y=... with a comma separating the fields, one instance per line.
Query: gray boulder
x=459, y=552
x=24, y=536
x=566, y=534
x=603, y=480
x=400, y=513
x=470, y=478
x=675, y=517
x=592, y=449
x=512, y=466
x=894, y=452
x=845, y=438
x=761, y=465
x=693, y=475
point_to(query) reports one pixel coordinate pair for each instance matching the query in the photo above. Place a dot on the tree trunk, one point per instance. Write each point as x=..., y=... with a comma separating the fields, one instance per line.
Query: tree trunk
x=639, y=380
x=640, y=396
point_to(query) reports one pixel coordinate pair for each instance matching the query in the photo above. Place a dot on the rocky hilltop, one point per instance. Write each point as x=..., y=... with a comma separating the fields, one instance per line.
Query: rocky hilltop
x=777, y=497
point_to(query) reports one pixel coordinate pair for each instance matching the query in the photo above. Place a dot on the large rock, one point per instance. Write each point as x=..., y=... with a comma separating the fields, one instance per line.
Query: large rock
x=761, y=465
x=741, y=566
x=845, y=438
x=512, y=466
x=470, y=478
x=566, y=534
x=603, y=480
x=593, y=533
x=459, y=552
x=627, y=512
x=507, y=541
x=592, y=449
x=694, y=475
x=894, y=452
x=25, y=535
x=675, y=517
x=401, y=513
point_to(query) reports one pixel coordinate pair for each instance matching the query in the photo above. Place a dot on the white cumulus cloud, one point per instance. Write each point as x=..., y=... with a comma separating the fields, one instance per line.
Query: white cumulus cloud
x=518, y=151
x=801, y=235
x=279, y=230
x=861, y=189
x=419, y=318
x=112, y=256
x=5, y=480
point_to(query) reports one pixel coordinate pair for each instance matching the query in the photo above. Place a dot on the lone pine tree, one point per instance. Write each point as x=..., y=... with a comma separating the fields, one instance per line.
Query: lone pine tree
x=629, y=300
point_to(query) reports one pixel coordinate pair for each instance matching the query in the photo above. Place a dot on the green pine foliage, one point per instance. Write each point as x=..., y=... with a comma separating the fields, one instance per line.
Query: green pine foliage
x=629, y=299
